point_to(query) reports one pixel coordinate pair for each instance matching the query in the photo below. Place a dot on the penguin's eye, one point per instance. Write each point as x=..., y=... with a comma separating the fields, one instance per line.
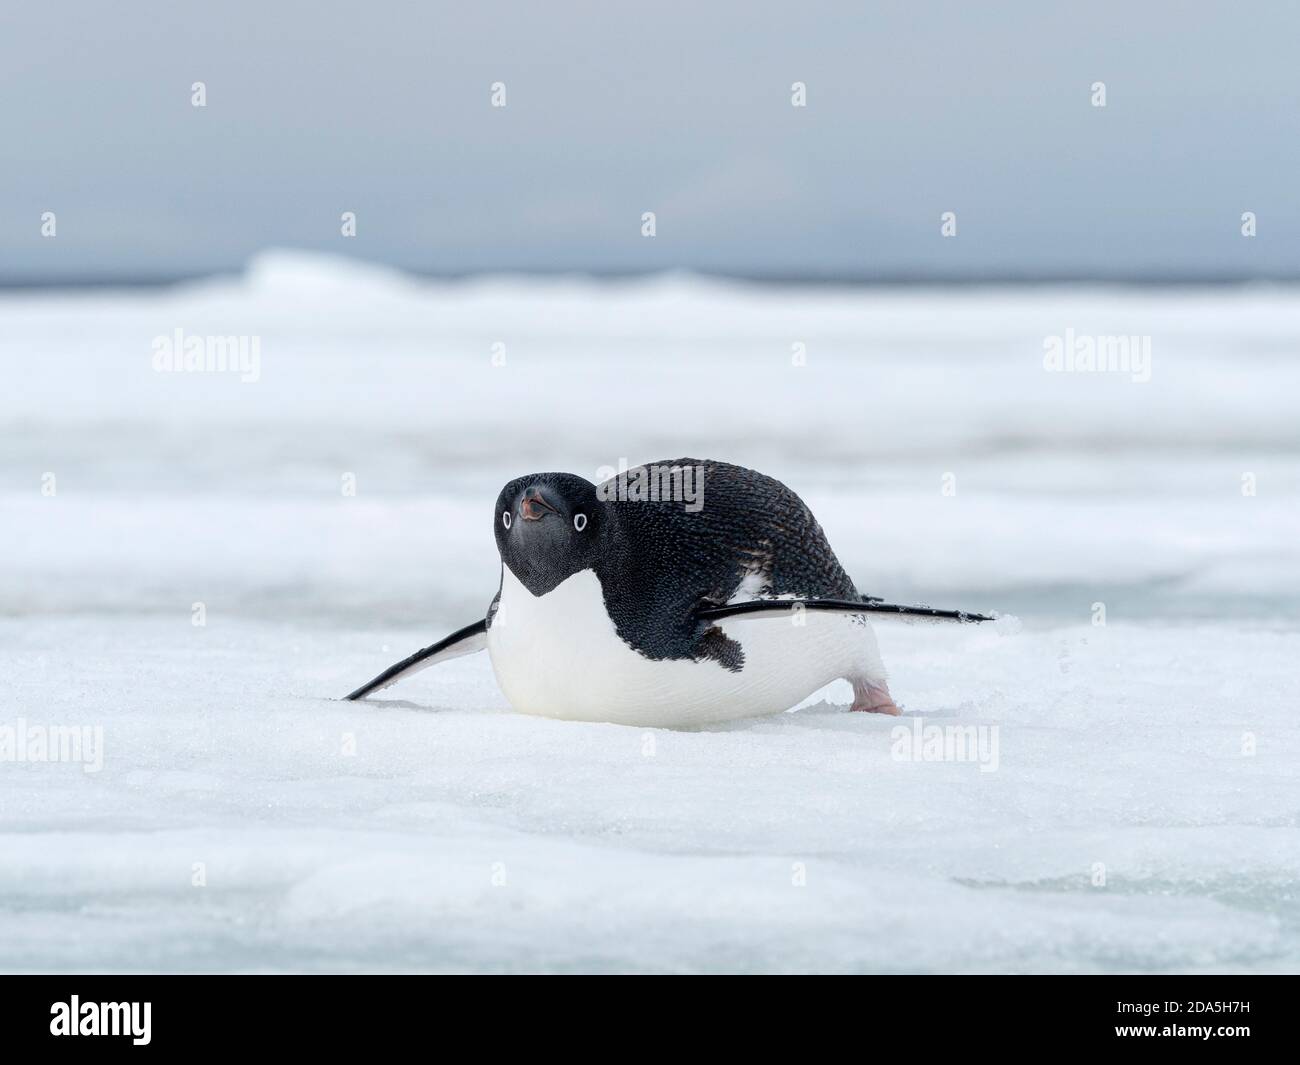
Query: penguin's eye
x=505, y=518
x=580, y=522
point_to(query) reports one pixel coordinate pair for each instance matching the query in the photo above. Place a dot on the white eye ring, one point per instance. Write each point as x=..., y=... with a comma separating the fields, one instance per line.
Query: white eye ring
x=505, y=518
x=580, y=522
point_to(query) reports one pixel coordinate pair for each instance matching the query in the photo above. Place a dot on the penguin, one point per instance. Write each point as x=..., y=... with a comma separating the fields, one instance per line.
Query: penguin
x=680, y=593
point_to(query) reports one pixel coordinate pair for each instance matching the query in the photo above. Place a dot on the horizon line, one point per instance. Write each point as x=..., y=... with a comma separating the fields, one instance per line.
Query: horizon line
x=166, y=279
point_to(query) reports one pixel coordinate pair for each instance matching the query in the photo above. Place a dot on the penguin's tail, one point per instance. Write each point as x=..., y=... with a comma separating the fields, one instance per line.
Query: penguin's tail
x=866, y=605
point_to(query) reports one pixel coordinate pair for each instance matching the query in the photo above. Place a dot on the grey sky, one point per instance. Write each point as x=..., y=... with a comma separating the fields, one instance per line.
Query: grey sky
x=681, y=108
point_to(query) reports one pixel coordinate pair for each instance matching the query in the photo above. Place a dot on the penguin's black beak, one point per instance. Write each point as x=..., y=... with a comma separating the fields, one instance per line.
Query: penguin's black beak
x=534, y=506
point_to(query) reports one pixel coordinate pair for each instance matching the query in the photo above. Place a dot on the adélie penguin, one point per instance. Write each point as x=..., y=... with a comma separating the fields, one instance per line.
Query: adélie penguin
x=625, y=602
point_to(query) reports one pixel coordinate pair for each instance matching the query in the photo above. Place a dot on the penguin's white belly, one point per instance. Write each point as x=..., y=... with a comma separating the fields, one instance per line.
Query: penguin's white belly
x=559, y=655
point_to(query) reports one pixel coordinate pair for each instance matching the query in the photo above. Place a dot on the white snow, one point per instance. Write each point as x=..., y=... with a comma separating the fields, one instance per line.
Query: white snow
x=1127, y=825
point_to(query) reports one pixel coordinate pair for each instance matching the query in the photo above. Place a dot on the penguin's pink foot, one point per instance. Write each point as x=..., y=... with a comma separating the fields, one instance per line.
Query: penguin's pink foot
x=873, y=699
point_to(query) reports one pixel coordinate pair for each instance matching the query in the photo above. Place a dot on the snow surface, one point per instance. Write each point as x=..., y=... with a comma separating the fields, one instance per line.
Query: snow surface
x=1127, y=825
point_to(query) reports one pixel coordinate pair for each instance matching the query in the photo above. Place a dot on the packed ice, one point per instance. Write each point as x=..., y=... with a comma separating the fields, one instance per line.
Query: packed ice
x=200, y=558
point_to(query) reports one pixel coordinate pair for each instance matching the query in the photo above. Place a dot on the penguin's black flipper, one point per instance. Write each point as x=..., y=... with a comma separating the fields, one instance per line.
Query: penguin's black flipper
x=781, y=608
x=461, y=642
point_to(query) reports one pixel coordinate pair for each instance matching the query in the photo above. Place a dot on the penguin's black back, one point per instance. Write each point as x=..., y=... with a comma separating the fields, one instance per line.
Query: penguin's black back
x=661, y=562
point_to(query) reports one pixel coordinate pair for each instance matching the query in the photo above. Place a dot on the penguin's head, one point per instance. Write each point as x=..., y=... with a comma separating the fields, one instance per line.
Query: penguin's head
x=548, y=527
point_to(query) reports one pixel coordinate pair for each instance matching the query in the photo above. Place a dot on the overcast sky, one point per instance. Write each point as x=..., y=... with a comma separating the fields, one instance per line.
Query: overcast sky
x=913, y=109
